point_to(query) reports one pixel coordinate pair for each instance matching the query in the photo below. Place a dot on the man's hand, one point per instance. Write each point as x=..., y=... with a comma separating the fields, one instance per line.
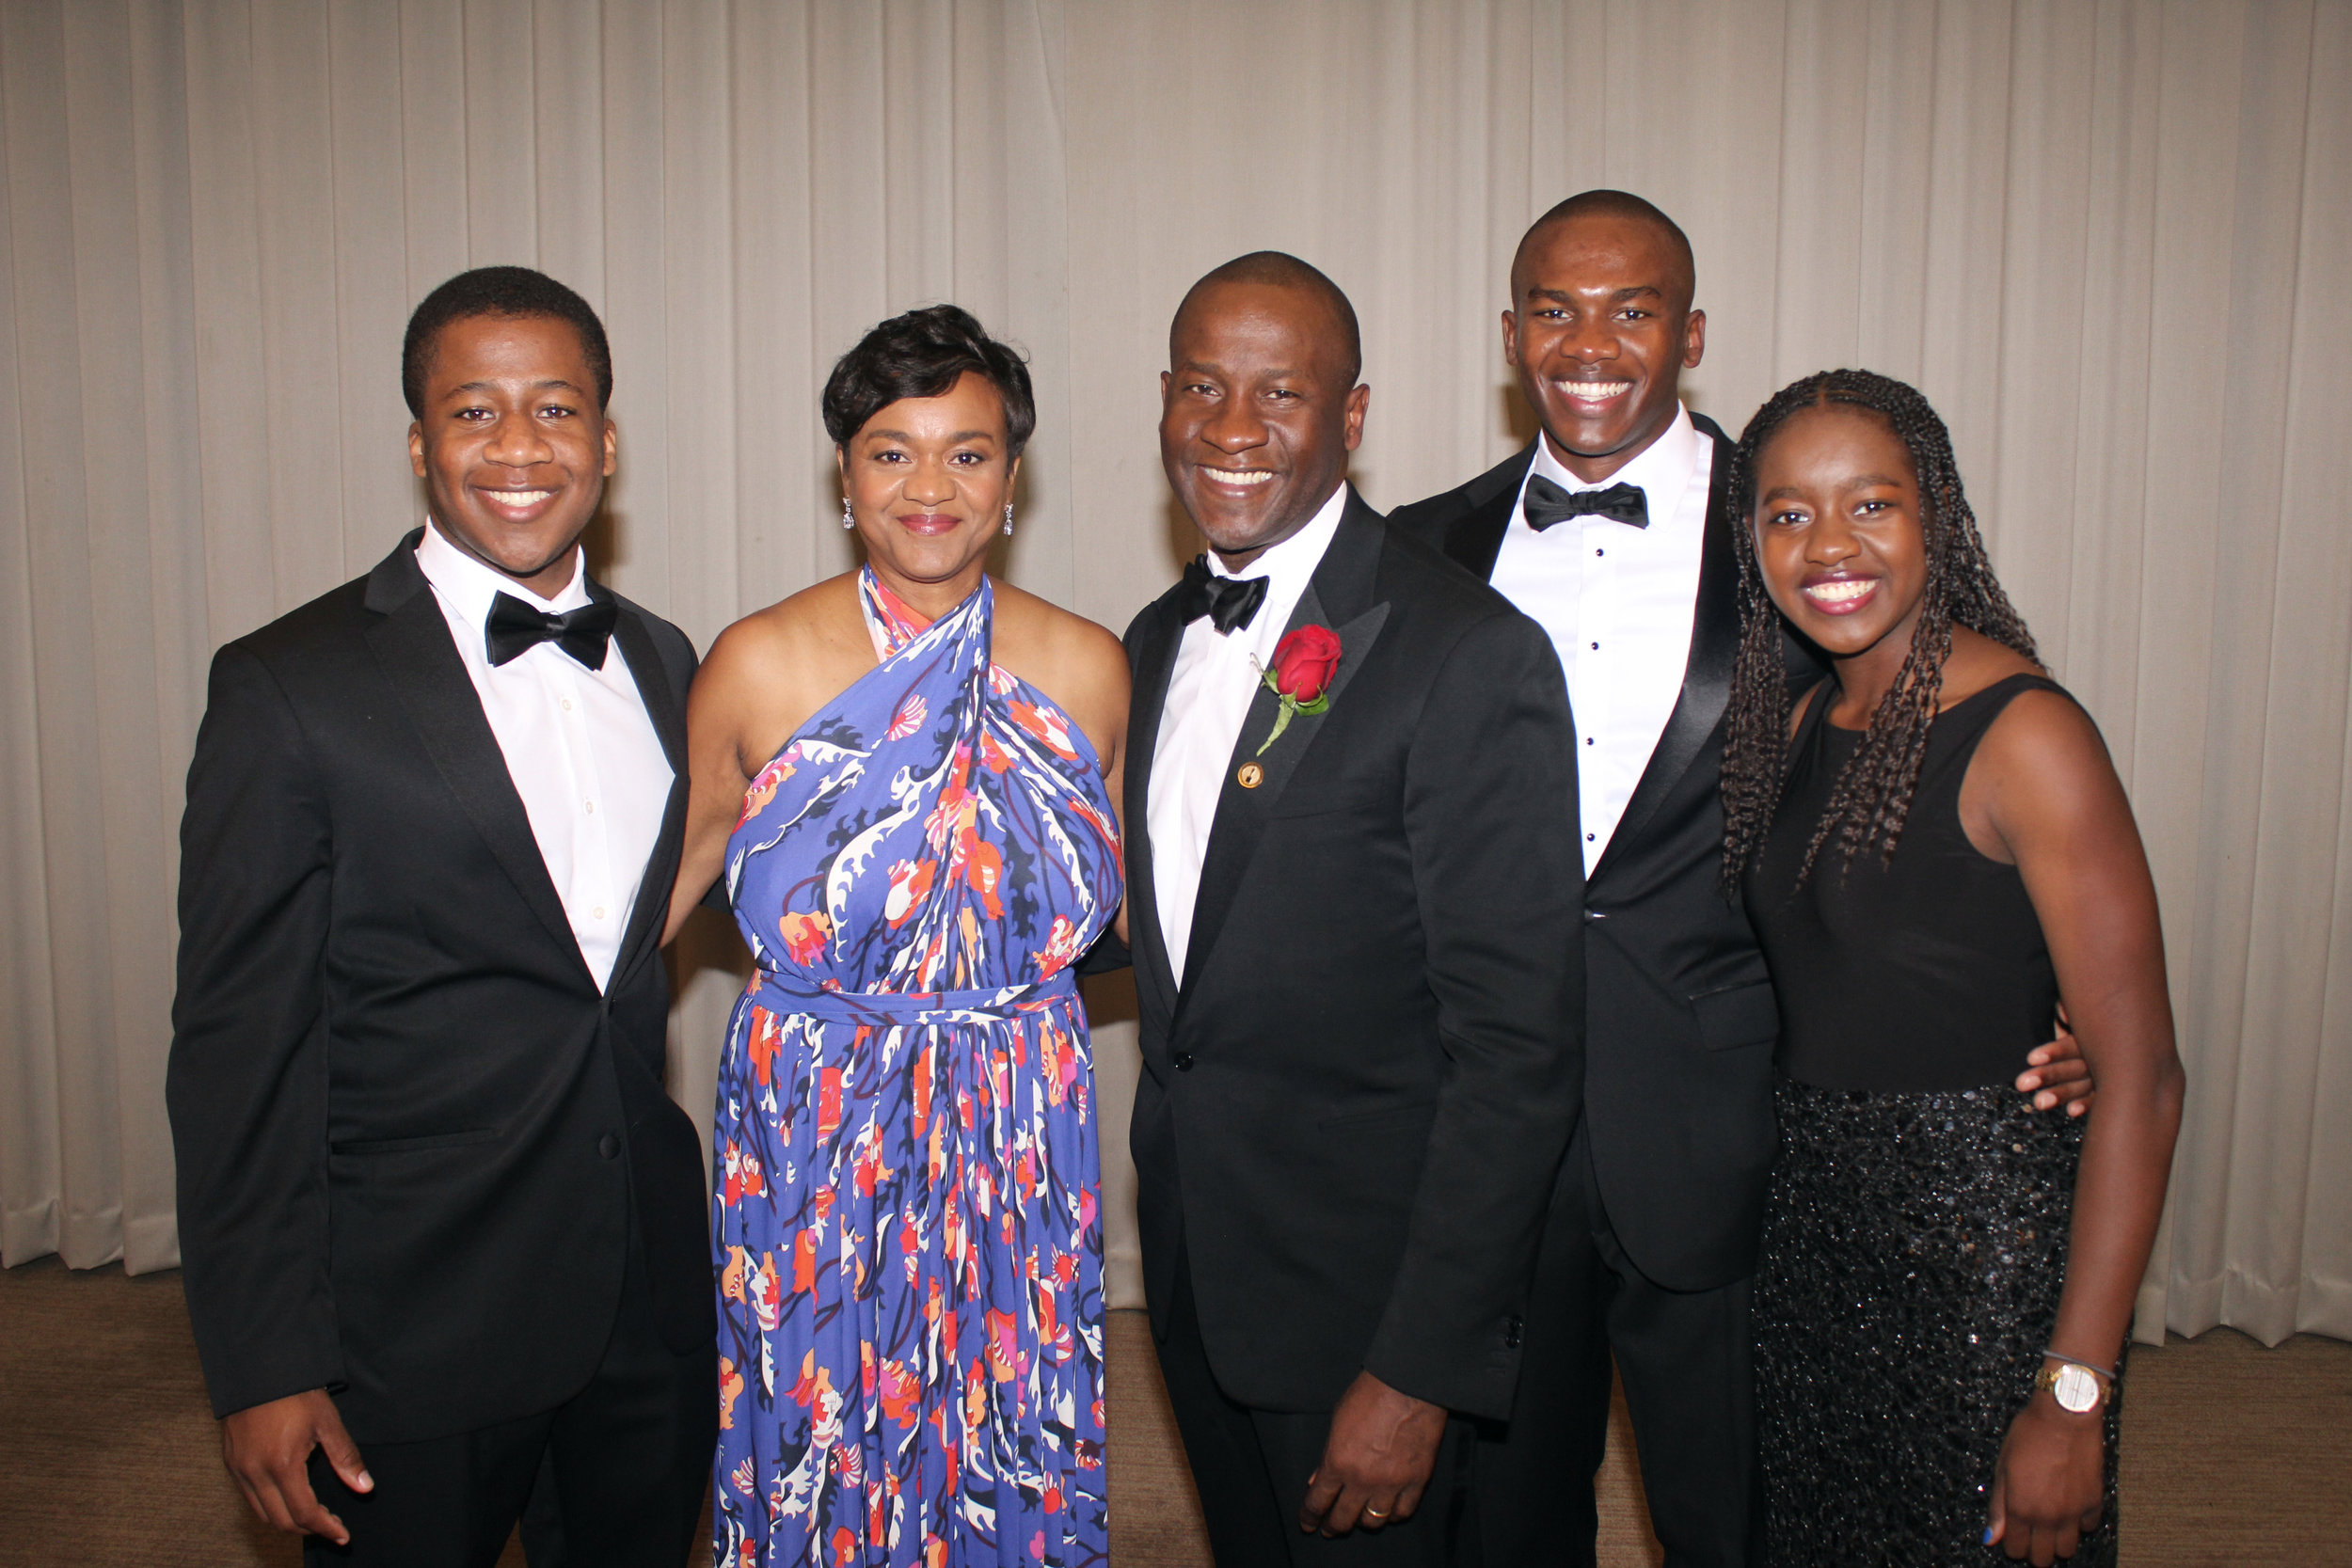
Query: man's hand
x=2058, y=1073
x=1376, y=1461
x=267, y=1448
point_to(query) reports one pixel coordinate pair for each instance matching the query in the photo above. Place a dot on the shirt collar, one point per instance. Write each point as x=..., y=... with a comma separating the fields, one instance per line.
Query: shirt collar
x=468, y=587
x=1289, y=565
x=1661, y=469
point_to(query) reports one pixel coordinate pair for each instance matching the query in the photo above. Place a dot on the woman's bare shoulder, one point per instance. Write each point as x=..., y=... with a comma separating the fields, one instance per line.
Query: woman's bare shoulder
x=794, y=628
x=792, y=653
x=2045, y=737
x=1976, y=662
x=1063, y=650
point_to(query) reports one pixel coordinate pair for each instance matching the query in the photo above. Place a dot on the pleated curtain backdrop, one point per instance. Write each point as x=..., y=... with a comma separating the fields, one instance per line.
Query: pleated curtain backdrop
x=2111, y=239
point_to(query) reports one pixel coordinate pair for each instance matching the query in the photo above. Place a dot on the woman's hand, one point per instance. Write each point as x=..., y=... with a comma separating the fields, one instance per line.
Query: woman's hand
x=2049, y=1486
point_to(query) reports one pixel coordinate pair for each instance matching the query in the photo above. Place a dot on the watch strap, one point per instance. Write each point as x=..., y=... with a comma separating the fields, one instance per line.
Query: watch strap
x=2077, y=1361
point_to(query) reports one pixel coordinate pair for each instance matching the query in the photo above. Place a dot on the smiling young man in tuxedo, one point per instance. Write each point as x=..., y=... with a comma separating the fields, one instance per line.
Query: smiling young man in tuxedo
x=1613, y=529
x=444, y=1230
x=1355, y=939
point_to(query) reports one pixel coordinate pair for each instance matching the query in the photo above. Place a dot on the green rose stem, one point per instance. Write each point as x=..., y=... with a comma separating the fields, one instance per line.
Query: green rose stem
x=1290, y=706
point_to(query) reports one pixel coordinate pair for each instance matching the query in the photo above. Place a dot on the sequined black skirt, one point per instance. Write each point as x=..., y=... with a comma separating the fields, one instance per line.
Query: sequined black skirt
x=1913, y=1251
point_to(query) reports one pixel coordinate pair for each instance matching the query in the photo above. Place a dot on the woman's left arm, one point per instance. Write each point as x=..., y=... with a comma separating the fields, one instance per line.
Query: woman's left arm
x=1106, y=683
x=2043, y=784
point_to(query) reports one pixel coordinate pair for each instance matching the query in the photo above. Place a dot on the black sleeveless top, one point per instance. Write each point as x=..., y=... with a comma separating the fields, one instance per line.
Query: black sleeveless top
x=1929, y=974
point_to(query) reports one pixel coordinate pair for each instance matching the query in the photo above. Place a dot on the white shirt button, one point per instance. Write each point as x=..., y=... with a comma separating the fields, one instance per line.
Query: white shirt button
x=598, y=911
x=589, y=806
x=567, y=705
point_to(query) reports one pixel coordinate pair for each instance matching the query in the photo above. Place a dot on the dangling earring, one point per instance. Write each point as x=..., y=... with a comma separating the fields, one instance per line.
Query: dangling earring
x=1009, y=519
x=848, y=518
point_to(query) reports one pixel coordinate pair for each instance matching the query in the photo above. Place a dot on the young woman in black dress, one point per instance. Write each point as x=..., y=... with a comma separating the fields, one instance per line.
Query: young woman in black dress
x=1935, y=849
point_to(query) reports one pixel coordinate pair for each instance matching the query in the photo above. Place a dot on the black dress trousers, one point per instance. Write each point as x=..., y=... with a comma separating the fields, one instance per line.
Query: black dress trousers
x=1251, y=1468
x=628, y=1460
x=1687, y=1358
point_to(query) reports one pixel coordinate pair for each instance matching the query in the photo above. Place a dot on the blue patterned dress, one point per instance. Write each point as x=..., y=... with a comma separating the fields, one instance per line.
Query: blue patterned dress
x=909, y=1239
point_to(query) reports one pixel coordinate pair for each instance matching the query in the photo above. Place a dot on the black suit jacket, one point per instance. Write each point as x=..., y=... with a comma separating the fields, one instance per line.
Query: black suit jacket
x=1680, y=1016
x=1354, y=1103
x=410, y=1132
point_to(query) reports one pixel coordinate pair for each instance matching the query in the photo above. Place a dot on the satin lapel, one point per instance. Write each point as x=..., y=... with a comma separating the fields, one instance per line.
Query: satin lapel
x=412, y=645
x=1707, y=675
x=1155, y=661
x=653, y=681
x=1475, y=538
x=1345, y=576
x=662, y=706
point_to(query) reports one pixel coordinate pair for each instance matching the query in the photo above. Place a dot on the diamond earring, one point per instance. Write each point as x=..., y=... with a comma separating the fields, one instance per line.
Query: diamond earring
x=848, y=518
x=1009, y=519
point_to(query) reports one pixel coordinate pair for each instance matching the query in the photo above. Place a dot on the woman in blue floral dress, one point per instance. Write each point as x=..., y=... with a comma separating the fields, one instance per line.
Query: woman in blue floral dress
x=920, y=843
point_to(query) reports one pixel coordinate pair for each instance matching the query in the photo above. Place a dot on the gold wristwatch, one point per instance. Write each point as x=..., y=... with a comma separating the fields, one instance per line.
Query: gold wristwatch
x=2077, y=1385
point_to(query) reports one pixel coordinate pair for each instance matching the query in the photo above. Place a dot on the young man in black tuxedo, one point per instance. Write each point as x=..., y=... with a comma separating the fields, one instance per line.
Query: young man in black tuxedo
x=444, y=1230
x=1355, y=939
x=1613, y=529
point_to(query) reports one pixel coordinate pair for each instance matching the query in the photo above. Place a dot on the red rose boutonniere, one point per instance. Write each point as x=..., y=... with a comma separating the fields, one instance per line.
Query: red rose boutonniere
x=1301, y=676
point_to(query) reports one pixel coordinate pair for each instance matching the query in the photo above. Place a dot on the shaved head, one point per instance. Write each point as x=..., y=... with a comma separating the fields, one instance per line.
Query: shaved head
x=1601, y=328
x=1260, y=405
x=1621, y=206
x=1280, y=270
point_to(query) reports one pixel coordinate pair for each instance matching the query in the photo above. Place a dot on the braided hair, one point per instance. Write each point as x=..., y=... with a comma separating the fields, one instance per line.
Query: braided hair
x=1872, y=797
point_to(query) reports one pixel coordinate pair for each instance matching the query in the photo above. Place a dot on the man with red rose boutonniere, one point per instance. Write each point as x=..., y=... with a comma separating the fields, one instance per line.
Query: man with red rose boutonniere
x=1357, y=954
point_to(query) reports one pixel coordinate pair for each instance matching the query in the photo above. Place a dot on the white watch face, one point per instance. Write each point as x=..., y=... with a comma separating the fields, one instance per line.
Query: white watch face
x=2076, y=1389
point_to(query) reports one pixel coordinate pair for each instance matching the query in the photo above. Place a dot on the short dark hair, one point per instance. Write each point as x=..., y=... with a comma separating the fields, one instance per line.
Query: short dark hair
x=1281, y=270
x=1616, y=204
x=923, y=354
x=511, y=293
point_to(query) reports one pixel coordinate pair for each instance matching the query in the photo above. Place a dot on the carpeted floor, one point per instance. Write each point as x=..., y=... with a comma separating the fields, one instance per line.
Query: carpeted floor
x=2232, y=1453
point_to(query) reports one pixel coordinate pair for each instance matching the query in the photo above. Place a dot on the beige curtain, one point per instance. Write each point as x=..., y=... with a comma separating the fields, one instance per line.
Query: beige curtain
x=2112, y=239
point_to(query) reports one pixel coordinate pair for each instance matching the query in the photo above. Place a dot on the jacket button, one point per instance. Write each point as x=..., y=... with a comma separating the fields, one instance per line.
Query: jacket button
x=1593, y=914
x=1511, y=1329
x=609, y=1147
x=1184, y=1061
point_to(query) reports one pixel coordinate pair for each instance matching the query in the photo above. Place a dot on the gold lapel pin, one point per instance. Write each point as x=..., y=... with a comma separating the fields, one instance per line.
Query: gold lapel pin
x=1250, y=776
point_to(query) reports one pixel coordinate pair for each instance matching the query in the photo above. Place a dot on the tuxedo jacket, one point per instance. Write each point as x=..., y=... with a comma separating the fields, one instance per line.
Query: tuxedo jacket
x=1680, y=1016
x=1355, y=1099
x=411, y=1135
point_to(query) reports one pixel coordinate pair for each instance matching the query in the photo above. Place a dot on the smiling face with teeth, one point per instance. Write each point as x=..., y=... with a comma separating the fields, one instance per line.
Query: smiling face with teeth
x=928, y=479
x=513, y=444
x=1599, y=332
x=1840, y=538
x=1258, y=412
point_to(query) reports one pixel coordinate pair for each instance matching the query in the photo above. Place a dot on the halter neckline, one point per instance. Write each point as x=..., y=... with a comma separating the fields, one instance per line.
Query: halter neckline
x=892, y=622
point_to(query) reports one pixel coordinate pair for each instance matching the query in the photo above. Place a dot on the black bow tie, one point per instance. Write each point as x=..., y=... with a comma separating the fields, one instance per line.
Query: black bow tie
x=516, y=628
x=1228, y=602
x=1548, y=503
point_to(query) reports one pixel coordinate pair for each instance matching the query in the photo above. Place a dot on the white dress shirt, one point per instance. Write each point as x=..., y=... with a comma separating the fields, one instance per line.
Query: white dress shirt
x=1618, y=602
x=1209, y=692
x=578, y=742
